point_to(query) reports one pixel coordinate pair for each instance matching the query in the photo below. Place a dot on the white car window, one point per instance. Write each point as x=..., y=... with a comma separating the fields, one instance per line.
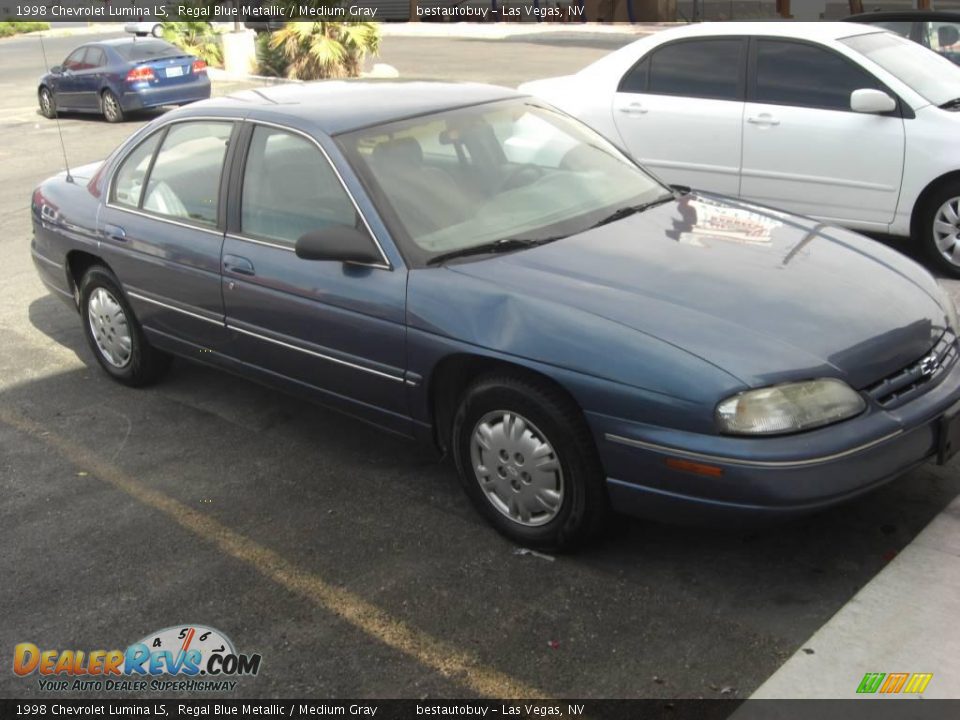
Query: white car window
x=930, y=75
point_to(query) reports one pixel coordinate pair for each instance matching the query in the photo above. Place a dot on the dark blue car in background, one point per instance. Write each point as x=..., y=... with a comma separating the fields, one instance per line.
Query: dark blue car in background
x=468, y=266
x=115, y=77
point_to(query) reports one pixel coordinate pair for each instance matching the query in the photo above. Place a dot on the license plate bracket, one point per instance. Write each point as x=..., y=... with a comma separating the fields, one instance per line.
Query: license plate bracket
x=175, y=71
x=949, y=435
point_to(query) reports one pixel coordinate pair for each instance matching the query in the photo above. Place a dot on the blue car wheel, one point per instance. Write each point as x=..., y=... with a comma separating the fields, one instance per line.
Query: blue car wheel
x=528, y=463
x=111, y=108
x=48, y=105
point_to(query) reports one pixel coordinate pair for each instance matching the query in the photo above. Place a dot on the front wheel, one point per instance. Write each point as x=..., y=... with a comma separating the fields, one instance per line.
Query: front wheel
x=940, y=228
x=48, y=106
x=111, y=107
x=113, y=333
x=527, y=462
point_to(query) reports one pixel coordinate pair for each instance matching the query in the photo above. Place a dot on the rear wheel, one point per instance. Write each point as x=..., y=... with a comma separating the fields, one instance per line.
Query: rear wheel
x=940, y=228
x=113, y=333
x=527, y=462
x=110, y=106
x=48, y=106
x=157, y=30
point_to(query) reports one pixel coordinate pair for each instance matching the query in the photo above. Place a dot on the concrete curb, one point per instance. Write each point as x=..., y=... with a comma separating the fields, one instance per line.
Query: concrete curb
x=902, y=621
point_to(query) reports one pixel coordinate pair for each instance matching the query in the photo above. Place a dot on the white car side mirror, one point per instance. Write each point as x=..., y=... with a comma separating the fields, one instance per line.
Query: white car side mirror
x=868, y=100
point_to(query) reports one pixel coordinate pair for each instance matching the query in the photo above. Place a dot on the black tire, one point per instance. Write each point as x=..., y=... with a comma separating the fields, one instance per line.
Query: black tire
x=556, y=418
x=48, y=103
x=948, y=192
x=157, y=30
x=143, y=364
x=110, y=107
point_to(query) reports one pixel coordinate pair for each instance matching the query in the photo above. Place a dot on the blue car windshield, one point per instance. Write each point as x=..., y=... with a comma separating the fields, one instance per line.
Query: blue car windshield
x=494, y=172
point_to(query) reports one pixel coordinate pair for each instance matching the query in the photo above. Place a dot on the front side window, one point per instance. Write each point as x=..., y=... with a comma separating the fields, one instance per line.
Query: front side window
x=74, y=60
x=289, y=189
x=184, y=180
x=511, y=170
x=801, y=75
x=699, y=68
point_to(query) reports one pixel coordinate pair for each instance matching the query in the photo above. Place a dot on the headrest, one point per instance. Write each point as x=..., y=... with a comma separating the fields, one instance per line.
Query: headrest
x=402, y=152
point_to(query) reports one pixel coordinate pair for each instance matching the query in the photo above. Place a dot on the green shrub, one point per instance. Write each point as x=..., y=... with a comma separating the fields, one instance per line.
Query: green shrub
x=196, y=38
x=318, y=50
x=15, y=27
x=271, y=61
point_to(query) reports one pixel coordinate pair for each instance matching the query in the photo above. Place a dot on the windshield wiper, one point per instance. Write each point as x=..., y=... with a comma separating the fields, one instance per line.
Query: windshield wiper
x=628, y=210
x=951, y=104
x=497, y=246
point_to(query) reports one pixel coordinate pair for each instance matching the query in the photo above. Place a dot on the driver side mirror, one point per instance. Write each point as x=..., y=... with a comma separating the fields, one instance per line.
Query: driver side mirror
x=56, y=69
x=868, y=100
x=338, y=243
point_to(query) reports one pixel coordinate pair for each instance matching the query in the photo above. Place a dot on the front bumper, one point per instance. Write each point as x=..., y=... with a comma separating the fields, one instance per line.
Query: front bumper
x=768, y=477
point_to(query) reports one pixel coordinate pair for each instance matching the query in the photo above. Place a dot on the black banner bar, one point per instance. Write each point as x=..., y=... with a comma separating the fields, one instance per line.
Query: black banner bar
x=855, y=709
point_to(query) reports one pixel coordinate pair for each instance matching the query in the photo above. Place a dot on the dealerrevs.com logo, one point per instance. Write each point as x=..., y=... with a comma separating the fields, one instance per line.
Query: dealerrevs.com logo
x=180, y=658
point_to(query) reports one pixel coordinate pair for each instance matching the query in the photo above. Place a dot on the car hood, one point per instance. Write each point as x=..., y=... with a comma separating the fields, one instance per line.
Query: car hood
x=765, y=296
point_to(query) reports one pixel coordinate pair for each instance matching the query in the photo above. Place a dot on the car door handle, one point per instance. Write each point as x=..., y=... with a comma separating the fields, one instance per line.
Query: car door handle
x=115, y=232
x=765, y=119
x=634, y=109
x=238, y=265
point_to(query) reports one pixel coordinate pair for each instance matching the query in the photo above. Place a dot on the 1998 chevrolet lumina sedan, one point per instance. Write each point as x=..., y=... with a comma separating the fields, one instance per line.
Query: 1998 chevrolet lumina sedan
x=469, y=266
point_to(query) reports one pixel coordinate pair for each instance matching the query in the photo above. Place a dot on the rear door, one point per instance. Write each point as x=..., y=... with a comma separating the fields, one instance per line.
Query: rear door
x=162, y=232
x=679, y=112
x=805, y=150
x=337, y=330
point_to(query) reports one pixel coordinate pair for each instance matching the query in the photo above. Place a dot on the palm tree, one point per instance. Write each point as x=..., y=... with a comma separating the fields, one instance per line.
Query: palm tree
x=317, y=50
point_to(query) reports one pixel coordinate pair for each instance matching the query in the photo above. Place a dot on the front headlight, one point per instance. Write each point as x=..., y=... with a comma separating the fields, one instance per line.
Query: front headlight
x=949, y=307
x=789, y=407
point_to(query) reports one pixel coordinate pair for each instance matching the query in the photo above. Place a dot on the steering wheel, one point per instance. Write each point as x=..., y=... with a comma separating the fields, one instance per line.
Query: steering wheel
x=516, y=175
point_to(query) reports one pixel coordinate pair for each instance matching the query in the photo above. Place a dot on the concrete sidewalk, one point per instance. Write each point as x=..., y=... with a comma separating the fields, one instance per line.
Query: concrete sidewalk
x=905, y=620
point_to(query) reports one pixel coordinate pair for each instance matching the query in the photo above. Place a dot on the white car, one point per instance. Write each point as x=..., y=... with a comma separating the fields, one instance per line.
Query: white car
x=845, y=123
x=142, y=29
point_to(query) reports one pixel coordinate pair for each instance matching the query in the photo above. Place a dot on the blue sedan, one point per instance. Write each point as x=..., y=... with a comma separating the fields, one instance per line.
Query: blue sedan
x=115, y=77
x=470, y=267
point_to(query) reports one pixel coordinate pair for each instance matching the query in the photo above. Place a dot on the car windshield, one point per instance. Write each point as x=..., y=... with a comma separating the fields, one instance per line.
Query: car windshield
x=147, y=50
x=931, y=75
x=498, y=172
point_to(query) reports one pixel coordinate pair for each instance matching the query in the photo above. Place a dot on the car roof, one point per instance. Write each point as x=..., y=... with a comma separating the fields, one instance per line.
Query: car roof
x=906, y=15
x=338, y=106
x=777, y=28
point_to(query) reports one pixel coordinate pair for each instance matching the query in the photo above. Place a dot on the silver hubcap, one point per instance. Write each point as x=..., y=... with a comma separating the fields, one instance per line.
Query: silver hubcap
x=45, y=101
x=946, y=230
x=110, y=105
x=108, y=324
x=518, y=470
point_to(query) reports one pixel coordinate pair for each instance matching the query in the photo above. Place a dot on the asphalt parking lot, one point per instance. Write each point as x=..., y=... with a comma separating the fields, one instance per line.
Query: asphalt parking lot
x=348, y=559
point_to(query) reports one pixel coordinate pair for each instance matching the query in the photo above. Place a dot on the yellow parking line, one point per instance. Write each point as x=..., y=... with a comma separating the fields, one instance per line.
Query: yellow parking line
x=462, y=667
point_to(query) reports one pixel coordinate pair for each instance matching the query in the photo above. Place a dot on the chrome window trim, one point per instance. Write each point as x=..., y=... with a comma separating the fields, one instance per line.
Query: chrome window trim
x=338, y=361
x=144, y=298
x=385, y=265
x=163, y=218
x=747, y=463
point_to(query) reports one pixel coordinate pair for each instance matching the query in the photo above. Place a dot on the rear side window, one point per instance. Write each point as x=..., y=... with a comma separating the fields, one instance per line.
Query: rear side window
x=128, y=186
x=147, y=50
x=183, y=182
x=806, y=76
x=290, y=189
x=94, y=58
x=698, y=68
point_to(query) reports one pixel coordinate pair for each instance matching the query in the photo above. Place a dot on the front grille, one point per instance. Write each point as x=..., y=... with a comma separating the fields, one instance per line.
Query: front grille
x=916, y=378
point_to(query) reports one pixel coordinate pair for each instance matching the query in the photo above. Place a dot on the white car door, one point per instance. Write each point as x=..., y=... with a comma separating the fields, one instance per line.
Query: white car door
x=805, y=150
x=679, y=112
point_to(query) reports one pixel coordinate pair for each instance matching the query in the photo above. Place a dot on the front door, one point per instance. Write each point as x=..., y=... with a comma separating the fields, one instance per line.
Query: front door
x=161, y=231
x=337, y=330
x=679, y=112
x=806, y=151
